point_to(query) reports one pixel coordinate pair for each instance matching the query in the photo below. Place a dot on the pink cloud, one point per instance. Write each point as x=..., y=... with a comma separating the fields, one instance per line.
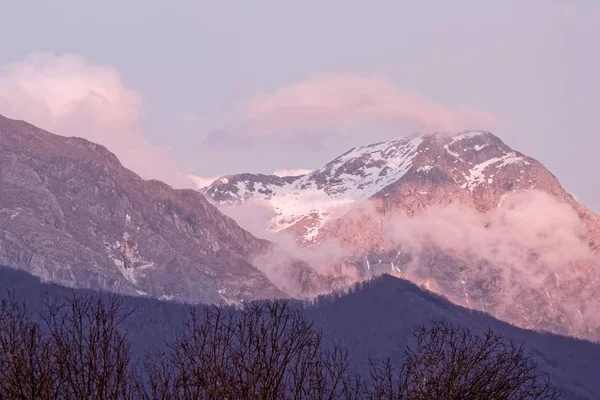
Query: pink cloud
x=523, y=223
x=202, y=181
x=68, y=95
x=344, y=100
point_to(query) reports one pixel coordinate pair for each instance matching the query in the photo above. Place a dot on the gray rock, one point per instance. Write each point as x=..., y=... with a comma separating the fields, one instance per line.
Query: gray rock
x=70, y=213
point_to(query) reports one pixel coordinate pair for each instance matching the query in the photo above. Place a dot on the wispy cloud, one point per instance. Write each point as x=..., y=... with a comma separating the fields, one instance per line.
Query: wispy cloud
x=202, y=181
x=340, y=101
x=71, y=96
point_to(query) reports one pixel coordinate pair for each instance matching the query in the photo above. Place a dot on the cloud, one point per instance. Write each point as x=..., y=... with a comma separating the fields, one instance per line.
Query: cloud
x=525, y=224
x=530, y=234
x=530, y=248
x=522, y=254
x=291, y=172
x=338, y=102
x=277, y=263
x=202, y=182
x=69, y=95
x=521, y=259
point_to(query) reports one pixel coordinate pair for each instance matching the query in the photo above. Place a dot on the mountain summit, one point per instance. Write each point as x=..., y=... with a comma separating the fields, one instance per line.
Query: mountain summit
x=474, y=167
x=462, y=214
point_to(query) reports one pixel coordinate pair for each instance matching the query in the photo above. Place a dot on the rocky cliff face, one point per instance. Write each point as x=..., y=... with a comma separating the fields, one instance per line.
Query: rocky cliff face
x=71, y=214
x=462, y=214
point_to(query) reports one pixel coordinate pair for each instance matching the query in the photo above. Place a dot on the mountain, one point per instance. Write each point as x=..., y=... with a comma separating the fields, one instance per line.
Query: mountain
x=473, y=167
x=375, y=320
x=463, y=214
x=70, y=213
x=460, y=214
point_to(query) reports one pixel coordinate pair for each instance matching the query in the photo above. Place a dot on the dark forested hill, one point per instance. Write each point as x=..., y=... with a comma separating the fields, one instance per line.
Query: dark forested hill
x=374, y=320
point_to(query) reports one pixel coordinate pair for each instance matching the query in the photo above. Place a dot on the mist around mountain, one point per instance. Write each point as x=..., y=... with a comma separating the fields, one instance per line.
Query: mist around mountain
x=461, y=213
x=70, y=213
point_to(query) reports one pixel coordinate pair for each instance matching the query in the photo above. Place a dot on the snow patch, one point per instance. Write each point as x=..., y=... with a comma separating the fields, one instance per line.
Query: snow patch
x=127, y=272
x=329, y=192
x=477, y=176
x=460, y=137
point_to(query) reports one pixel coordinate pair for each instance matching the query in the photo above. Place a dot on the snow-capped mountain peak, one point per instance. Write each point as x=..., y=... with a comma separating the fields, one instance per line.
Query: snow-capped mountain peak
x=304, y=204
x=439, y=209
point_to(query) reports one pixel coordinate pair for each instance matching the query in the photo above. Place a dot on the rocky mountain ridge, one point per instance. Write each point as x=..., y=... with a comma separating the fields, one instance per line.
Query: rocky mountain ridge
x=70, y=213
x=478, y=167
x=462, y=214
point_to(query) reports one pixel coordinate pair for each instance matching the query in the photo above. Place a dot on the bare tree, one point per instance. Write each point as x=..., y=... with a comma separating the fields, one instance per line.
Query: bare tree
x=450, y=362
x=91, y=356
x=26, y=368
x=265, y=351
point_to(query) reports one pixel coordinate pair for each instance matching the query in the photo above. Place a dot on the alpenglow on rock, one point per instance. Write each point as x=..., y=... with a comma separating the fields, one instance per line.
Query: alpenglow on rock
x=462, y=214
x=70, y=213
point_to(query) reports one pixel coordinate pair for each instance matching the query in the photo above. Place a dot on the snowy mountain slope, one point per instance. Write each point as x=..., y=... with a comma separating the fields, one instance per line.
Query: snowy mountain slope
x=463, y=214
x=326, y=193
x=363, y=172
x=475, y=167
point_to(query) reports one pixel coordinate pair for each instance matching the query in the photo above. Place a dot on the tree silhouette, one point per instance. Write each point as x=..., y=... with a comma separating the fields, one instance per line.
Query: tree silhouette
x=266, y=351
x=91, y=355
x=450, y=362
x=26, y=359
